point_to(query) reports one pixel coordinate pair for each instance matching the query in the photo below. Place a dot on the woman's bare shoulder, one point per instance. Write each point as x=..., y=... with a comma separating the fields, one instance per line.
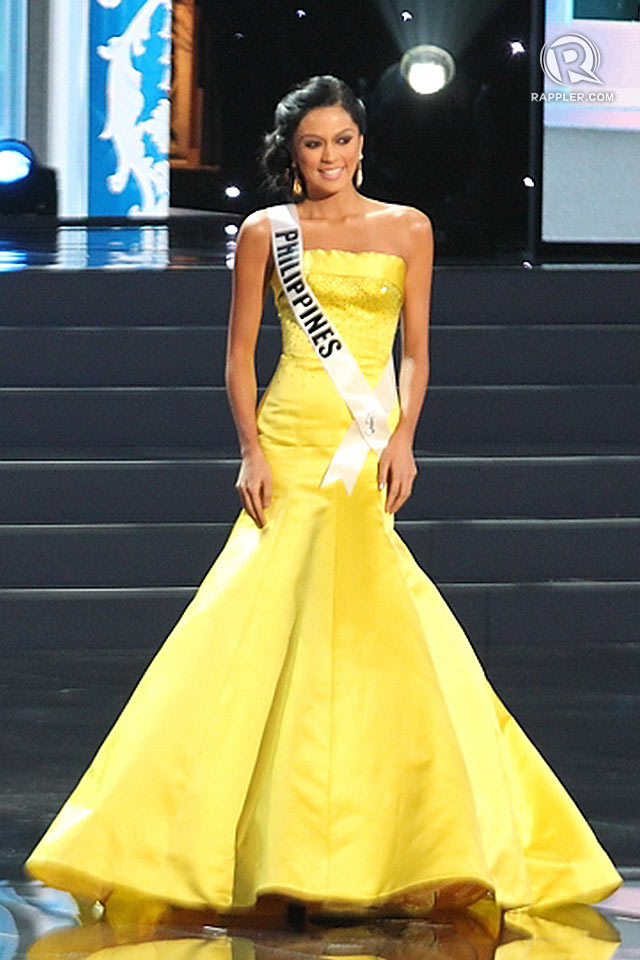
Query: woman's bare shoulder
x=406, y=216
x=255, y=225
x=403, y=221
x=253, y=241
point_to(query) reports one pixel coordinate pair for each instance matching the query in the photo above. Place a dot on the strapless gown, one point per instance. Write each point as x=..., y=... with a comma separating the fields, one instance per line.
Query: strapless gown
x=317, y=723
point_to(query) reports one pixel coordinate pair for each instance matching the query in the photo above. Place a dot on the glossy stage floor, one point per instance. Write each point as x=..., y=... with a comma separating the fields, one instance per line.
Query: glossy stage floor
x=37, y=923
x=538, y=562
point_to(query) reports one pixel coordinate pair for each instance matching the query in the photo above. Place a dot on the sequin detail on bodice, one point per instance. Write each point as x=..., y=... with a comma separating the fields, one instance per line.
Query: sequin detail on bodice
x=361, y=293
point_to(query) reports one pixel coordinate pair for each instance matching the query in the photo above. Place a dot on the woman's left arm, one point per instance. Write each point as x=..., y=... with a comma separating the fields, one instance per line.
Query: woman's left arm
x=396, y=466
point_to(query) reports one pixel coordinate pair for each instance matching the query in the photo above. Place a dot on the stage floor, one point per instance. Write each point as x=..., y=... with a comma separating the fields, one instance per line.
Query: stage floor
x=196, y=238
x=199, y=240
x=55, y=708
x=58, y=704
x=38, y=922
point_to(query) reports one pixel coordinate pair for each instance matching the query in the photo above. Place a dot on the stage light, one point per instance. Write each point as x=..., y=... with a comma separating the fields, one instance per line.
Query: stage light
x=427, y=68
x=25, y=186
x=232, y=191
x=517, y=46
x=16, y=161
x=406, y=16
x=231, y=229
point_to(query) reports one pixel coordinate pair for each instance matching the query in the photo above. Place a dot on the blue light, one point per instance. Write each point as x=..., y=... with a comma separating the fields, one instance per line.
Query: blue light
x=16, y=161
x=13, y=166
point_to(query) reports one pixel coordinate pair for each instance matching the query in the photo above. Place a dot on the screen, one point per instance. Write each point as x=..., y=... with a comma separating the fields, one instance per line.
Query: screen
x=591, y=121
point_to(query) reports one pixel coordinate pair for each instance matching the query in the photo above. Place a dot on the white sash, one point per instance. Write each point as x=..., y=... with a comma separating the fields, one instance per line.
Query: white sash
x=370, y=407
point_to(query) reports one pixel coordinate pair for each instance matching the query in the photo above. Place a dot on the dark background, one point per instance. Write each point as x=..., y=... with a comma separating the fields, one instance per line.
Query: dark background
x=459, y=155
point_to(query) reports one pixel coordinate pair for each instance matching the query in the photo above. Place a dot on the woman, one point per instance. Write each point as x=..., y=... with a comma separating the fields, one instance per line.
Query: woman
x=328, y=143
x=317, y=728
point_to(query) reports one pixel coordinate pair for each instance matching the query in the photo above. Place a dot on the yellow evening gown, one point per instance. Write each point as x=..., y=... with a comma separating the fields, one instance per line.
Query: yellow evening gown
x=317, y=723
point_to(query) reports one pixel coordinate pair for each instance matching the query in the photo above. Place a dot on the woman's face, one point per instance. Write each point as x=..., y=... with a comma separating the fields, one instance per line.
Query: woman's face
x=327, y=146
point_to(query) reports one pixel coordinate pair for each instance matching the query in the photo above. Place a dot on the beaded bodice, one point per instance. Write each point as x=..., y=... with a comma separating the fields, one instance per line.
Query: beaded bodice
x=361, y=294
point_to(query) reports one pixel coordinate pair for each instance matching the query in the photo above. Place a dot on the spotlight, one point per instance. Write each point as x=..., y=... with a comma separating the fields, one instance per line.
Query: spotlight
x=232, y=191
x=231, y=229
x=427, y=68
x=16, y=161
x=517, y=46
x=406, y=15
x=25, y=186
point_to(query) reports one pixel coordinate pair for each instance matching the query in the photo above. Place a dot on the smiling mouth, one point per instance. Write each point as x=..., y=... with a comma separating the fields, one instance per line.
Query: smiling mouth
x=332, y=173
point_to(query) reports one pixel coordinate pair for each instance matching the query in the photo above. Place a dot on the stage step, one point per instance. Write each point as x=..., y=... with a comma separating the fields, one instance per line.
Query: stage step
x=464, y=294
x=199, y=416
x=194, y=355
x=191, y=489
x=611, y=666
x=166, y=554
x=556, y=621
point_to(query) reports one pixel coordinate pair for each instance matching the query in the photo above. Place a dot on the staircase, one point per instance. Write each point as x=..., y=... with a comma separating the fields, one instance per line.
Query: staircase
x=118, y=458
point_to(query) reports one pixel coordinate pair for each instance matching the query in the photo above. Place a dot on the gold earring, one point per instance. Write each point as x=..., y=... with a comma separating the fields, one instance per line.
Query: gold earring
x=296, y=189
x=359, y=174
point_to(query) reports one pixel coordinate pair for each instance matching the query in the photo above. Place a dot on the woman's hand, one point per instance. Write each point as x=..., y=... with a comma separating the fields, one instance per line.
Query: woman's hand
x=397, y=468
x=254, y=484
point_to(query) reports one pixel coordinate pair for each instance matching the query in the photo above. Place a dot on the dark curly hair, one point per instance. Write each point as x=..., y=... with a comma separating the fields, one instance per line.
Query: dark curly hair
x=276, y=152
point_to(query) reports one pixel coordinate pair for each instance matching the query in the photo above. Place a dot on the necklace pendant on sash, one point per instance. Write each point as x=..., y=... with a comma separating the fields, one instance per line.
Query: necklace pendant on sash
x=370, y=423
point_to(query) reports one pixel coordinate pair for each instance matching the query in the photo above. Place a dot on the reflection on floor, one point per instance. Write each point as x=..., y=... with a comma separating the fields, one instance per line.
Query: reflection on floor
x=40, y=923
x=203, y=240
x=198, y=238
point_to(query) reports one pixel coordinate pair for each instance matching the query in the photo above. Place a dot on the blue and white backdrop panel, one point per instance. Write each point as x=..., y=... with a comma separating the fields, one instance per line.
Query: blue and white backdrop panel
x=129, y=96
x=13, y=68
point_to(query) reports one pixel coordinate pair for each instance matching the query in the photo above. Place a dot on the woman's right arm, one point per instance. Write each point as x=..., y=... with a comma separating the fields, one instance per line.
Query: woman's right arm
x=250, y=279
